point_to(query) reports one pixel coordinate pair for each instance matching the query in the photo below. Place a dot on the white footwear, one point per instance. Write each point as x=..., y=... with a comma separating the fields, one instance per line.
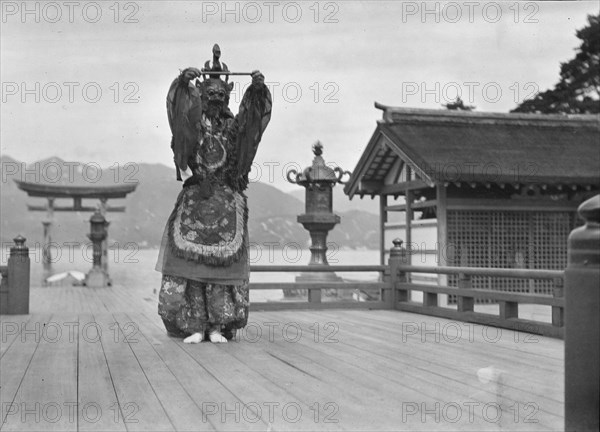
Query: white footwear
x=194, y=339
x=216, y=337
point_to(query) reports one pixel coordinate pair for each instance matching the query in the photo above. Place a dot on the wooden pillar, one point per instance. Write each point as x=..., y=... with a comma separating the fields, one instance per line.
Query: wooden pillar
x=382, y=220
x=409, y=217
x=530, y=251
x=582, y=325
x=18, y=278
x=442, y=231
x=3, y=290
x=104, y=256
x=464, y=304
x=46, y=252
x=558, y=313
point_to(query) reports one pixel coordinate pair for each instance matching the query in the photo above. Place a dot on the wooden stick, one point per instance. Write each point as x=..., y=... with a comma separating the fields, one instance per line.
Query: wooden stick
x=224, y=73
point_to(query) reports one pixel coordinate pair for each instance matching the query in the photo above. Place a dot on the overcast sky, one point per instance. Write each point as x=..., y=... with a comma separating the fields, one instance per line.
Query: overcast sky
x=87, y=81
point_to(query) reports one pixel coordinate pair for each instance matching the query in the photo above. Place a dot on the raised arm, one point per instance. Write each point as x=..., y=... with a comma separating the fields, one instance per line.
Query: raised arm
x=252, y=119
x=183, y=102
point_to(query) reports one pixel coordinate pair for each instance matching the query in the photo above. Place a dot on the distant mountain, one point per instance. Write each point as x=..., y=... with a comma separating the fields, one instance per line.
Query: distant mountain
x=272, y=212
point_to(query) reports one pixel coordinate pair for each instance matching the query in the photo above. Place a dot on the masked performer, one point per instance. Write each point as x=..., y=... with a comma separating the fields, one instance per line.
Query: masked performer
x=204, y=251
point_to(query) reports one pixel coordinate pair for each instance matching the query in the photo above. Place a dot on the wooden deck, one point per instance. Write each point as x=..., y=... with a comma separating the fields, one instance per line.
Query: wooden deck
x=290, y=370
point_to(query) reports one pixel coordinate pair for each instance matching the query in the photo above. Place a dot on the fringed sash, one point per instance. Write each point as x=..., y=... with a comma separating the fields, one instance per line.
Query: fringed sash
x=208, y=230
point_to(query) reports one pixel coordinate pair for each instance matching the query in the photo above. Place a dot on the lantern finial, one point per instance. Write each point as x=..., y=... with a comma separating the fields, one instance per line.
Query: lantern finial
x=318, y=148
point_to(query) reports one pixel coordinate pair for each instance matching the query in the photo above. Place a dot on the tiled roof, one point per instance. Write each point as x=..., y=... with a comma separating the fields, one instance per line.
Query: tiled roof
x=445, y=146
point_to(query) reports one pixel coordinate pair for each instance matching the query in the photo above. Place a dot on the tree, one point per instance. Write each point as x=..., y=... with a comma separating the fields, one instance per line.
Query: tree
x=458, y=105
x=578, y=90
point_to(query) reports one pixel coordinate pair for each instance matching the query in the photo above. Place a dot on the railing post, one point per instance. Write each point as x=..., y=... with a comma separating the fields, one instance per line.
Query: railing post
x=582, y=277
x=509, y=309
x=314, y=295
x=387, y=293
x=430, y=299
x=558, y=313
x=4, y=290
x=465, y=304
x=397, y=258
x=18, y=278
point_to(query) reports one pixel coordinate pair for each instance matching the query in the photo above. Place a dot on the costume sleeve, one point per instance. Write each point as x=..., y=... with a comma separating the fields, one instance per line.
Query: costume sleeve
x=183, y=106
x=252, y=119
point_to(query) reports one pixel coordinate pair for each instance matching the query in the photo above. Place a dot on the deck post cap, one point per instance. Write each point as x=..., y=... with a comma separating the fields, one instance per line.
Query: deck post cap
x=397, y=248
x=19, y=240
x=19, y=247
x=590, y=210
x=583, y=242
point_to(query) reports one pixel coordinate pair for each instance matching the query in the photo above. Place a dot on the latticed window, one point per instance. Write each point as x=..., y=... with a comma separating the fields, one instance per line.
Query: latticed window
x=509, y=239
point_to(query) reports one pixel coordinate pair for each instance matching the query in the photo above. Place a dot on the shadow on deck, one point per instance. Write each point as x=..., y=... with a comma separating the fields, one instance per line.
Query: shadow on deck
x=99, y=359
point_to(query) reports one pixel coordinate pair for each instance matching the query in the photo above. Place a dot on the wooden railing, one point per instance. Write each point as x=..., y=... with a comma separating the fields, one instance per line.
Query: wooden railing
x=508, y=302
x=394, y=293
x=315, y=289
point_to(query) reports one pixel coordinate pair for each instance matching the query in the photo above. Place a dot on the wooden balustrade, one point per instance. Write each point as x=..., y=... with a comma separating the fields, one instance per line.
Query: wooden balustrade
x=314, y=289
x=386, y=286
x=508, y=302
x=395, y=289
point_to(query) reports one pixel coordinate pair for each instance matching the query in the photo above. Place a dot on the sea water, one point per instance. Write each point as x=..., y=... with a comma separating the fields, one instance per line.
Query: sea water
x=135, y=267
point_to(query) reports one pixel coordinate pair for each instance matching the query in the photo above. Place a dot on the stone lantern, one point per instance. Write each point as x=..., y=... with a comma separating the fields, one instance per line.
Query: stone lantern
x=318, y=219
x=97, y=276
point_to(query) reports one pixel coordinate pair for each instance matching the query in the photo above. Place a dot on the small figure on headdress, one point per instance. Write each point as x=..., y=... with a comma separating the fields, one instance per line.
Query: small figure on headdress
x=216, y=65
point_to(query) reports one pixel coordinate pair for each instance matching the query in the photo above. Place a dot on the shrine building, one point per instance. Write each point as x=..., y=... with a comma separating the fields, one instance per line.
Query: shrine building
x=477, y=189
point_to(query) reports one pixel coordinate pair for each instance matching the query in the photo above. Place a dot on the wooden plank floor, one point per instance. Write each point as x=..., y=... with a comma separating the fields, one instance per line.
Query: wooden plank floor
x=99, y=359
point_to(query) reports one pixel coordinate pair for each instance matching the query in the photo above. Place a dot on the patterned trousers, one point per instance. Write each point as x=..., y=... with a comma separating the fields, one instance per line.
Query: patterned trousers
x=187, y=306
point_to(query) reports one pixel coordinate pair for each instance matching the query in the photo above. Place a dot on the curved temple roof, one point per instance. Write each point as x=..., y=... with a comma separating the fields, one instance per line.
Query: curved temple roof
x=443, y=147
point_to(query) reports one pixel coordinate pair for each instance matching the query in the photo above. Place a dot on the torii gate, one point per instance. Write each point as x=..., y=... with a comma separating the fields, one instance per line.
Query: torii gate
x=77, y=193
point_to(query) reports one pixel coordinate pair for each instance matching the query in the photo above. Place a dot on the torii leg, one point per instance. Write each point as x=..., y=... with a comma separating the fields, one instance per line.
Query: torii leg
x=46, y=253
